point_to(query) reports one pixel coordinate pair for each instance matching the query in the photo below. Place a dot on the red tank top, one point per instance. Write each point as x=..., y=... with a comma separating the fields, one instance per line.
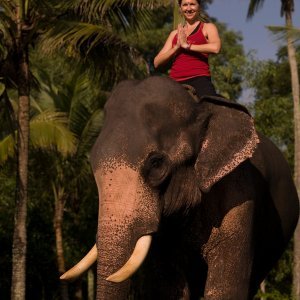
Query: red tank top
x=189, y=64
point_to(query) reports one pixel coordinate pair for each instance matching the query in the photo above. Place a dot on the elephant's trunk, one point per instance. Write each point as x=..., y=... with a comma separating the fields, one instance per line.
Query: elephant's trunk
x=116, y=286
x=114, y=251
x=128, y=211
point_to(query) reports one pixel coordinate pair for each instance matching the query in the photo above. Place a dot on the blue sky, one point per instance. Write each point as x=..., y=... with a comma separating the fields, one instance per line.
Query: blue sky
x=256, y=36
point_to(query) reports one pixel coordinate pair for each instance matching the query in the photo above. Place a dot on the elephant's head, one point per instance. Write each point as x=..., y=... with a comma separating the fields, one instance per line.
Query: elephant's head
x=159, y=149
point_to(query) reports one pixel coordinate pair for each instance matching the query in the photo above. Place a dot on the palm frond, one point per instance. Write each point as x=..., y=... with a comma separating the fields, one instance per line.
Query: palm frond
x=90, y=132
x=7, y=113
x=2, y=88
x=76, y=35
x=7, y=26
x=7, y=125
x=129, y=20
x=7, y=148
x=8, y=6
x=253, y=7
x=49, y=131
x=281, y=32
x=94, y=8
x=103, y=51
x=81, y=105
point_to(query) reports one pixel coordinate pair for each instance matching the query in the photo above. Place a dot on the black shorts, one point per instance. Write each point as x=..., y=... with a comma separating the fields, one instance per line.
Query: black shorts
x=202, y=85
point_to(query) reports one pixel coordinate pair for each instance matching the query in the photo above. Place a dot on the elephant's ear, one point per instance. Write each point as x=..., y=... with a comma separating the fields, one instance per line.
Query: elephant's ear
x=229, y=140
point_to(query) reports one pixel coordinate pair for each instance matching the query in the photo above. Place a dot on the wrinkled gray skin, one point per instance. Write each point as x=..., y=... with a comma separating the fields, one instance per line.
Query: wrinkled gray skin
x=218, y=199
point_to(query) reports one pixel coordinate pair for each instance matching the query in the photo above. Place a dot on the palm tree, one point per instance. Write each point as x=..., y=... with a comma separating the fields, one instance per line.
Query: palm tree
x=67, y=127
x=20, y=21
x=21, y=63
x=48, y=131
x=287, y=8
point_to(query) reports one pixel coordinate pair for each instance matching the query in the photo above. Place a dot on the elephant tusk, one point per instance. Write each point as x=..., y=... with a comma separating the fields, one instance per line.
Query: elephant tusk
x=82, y=266
x=134, y=262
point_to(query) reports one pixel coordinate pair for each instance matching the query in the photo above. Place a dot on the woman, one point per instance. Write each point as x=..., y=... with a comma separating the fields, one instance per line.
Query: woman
x=190, y=46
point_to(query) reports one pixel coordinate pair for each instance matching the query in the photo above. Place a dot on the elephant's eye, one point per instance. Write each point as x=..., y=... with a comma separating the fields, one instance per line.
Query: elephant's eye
x=156, y=162
x=156, y=168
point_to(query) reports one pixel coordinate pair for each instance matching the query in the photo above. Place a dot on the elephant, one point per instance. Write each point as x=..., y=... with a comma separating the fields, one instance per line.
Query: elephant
x=194, y=202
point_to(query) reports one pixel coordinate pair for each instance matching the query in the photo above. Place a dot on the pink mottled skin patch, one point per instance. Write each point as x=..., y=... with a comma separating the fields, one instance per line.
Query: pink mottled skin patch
x=127, y=208
x=123, y=193
x=204, y=145
x=118, y=190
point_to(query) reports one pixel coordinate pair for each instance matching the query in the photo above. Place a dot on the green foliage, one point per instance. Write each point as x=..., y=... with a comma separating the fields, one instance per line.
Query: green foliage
x=271, y=78
x=273, y=111
x=151, y=40
x=66, y=116
x=274, y=118
x=281, y=276
x=7, y=193
x=48, y=131
x=273, y=108
x=278, y=282
x=228, y=67
x=95, y=32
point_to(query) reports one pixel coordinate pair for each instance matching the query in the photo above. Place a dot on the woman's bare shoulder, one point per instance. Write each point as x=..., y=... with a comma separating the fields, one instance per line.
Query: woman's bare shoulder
x=209, y=26
x=210, y=30
x=173, y=33
x=171, y=36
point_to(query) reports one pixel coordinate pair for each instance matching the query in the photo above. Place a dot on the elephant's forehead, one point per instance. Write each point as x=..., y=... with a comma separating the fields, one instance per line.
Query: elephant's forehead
x=153, y=94
x=168, y=108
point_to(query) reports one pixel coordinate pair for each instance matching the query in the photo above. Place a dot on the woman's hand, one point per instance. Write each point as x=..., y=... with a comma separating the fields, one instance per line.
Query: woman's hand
x=182, y=37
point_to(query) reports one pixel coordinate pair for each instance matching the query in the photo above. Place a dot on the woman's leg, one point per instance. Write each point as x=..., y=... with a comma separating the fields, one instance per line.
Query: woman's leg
x=202, y=85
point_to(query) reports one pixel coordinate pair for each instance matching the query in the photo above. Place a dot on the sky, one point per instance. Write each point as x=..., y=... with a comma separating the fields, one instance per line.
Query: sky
x=255, y=34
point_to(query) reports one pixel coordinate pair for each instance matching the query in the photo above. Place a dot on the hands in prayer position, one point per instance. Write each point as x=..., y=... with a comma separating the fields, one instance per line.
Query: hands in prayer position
x=182, y=37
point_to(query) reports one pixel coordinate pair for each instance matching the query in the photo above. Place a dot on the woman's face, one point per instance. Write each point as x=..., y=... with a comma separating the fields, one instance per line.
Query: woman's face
x=190, y=9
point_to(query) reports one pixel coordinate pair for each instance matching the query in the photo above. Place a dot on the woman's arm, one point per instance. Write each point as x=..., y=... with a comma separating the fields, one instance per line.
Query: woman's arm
x=213, y=45
x=167, y=52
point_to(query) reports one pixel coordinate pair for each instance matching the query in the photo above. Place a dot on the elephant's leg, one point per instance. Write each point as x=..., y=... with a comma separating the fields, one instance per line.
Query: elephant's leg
x=230, y=255
x=196, y=272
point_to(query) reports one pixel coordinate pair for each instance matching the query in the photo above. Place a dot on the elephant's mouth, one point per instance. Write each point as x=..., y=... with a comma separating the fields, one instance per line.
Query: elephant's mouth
x=130, y=267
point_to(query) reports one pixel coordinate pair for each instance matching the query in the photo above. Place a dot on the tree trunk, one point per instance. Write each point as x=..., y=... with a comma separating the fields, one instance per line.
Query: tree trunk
x=78, y=290
x=58, y=220
x=19, y=247
x=295, y=92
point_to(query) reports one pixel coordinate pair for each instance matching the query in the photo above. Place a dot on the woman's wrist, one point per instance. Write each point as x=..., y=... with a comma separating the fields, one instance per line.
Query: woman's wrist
x=176, y=47
x=186, y=46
